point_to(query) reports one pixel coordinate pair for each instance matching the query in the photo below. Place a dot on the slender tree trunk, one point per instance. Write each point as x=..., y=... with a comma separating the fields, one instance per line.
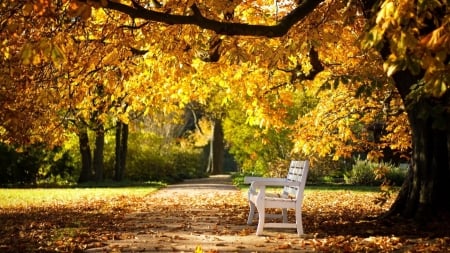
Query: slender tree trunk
x=85, y=151
x=118, y=150
x=216, y=149
x=98, y=152
x=121, y=150
x=124, y=146
x=210, y=165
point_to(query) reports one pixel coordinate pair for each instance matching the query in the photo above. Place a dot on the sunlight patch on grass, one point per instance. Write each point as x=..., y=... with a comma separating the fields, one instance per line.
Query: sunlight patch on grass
x=14, y=198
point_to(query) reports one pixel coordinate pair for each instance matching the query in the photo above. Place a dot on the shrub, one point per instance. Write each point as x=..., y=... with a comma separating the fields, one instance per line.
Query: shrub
x=396, y=175
x=327, y=170
x=364, y=172
x=187, y=163
x=35, y=164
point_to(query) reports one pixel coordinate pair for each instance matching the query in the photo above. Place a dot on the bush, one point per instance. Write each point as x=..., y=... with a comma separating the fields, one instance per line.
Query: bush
x=396, y=175
x=364, y=172
x=34, y=164
x=327, y=170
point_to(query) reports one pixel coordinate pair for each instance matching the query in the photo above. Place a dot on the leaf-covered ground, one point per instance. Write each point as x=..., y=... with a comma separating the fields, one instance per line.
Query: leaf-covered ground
x=213, y=218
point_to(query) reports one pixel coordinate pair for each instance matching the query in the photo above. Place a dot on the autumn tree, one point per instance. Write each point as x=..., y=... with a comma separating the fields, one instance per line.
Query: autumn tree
x=414, y=42
x=413, y=39
x=357, y=103
x=71, y=78
x=28, y=94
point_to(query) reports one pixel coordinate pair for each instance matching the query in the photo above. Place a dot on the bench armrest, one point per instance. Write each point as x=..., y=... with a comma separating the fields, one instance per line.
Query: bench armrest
x=261, y=181
x=249, y=180
x=275, y=183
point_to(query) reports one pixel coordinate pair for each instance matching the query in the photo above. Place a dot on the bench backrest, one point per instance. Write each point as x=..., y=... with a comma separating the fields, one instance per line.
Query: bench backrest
x=298, y=171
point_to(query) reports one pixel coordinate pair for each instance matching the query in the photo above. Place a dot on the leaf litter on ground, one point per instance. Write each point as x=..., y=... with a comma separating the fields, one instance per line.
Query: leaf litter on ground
x=210, y=221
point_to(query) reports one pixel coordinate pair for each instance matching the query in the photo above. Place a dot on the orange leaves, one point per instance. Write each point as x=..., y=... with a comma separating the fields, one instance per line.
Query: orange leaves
x=78, y=9
x=335, y=128
x=88, y=64
x=39, y=7
x=349, y=92
x=112, y=57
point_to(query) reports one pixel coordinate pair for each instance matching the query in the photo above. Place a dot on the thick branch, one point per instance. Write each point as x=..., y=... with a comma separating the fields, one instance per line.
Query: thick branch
x=224, y=28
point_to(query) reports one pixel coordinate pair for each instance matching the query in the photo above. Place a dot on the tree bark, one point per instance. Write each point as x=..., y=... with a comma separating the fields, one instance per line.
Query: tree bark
x=98, y=152
x=216, y=149
x=85, y=152
x=426, y=191
x=121, y=150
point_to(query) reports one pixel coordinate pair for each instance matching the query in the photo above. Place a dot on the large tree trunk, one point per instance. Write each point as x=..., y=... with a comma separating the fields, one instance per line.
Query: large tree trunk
x=98, y=152
x=85, y=151
x=121, y=150
x=426, y=191
x=217, y=149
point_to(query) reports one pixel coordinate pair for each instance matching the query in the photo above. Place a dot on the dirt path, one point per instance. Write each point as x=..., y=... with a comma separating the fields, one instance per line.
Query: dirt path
x=209, y=213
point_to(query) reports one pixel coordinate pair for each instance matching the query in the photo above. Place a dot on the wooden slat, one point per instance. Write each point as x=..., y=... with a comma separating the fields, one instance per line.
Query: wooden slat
x=295, y=174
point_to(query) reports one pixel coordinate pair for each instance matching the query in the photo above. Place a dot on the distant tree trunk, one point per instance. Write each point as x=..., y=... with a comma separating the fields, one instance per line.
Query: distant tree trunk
x=121, y=150
x=216, y=149
x=98, y=152
x=86, y=158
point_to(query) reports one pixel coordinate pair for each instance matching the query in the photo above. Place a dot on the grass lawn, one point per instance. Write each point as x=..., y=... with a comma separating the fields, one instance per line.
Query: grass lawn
x=49, y=197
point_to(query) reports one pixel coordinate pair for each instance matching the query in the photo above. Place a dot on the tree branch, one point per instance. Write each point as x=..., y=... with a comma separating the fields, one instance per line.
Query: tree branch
x=223, y=28
x=297, y=73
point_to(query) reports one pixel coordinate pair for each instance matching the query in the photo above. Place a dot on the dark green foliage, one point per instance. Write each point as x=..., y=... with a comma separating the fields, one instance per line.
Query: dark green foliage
x=396, y=175
x=18, y=167
x=34, y=165
x=327, y=170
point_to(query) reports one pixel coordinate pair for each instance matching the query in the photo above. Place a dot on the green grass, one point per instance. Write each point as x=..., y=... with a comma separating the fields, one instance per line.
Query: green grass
x=42, y=197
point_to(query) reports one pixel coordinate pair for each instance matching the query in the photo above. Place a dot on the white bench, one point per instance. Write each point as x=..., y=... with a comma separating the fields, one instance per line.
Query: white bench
x=291, y=197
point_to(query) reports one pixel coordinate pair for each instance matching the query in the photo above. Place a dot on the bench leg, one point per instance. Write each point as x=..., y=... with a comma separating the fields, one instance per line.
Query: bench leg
x=284, y=214
x=298, y=222
x=261, y=220
x=251, y=213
